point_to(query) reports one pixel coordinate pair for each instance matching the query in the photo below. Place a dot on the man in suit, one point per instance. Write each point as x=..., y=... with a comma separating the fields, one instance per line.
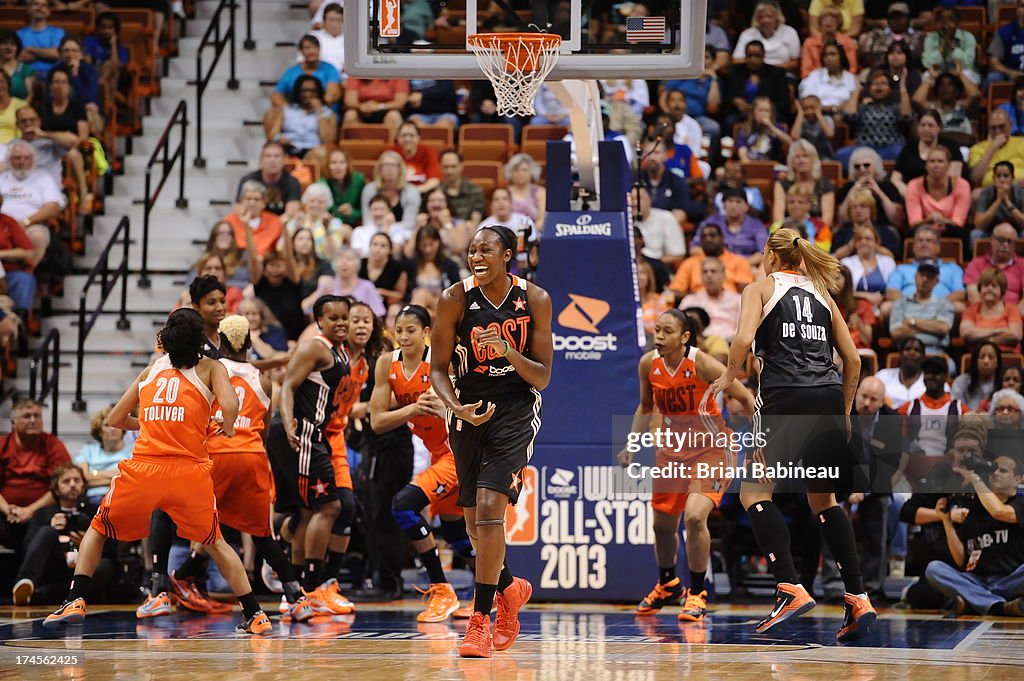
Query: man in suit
x=875, y=443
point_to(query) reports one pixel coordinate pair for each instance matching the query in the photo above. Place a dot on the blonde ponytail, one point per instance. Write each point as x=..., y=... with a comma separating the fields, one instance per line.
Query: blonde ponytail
x=793, y=250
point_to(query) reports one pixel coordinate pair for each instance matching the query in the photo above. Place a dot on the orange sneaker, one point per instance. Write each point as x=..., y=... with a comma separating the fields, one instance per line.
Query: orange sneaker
x=257, y=624
x=72, y=612
x=301, y=610
x=441, y=603
x=154, y=606
x=477, y=641
x=791, y=600
x=462, y=613
x=670, y=593
x=695, y=608
x=190, y=597
x=859, y=617
x=340, y=604
x=506, y=624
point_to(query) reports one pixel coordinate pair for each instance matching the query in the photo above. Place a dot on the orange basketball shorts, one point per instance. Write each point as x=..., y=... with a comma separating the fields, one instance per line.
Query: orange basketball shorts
x=339, y=460
x=441, y=484
x=244, y=485
x=669, y=495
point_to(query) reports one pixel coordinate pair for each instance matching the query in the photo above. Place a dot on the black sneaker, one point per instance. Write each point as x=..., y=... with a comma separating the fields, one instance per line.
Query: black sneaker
x=661, y=595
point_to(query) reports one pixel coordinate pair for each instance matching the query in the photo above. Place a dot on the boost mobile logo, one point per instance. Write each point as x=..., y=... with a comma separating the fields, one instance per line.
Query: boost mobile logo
x=584, y=314
x=560, y=484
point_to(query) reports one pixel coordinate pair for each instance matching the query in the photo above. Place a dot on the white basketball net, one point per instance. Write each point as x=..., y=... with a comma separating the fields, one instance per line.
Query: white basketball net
x=516, y=64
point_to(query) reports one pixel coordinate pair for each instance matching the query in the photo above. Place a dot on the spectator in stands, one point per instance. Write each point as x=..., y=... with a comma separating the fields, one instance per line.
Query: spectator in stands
x=28, y=457
x=876, y=121
x=223, y=244
x=927, y=246
x=269, y=340
x=61, y=115
x=1014, y=108
x=904, y=382
x=939, y=199
x=999, y=146
x=991, y=318
x=311, y=65
x=103, y=49
x=484, y=107
x=679, y=158
x=528, y=197
x=379, y=219
x=660, y=269
x=251, y=212
x=912, y=161
x=811, y=125
x=686, y=129
x=668, y=191
x=17, y=253
x=430, y=267
x=979, y=382
x=9, y=107
x=276, y=281
x=98, y=460
x=923, y=315
x=652, y=303
x=833, y=82
x=1001, y=203
x=798, y=216
x=761, y=136
x=901, y=65
x=549, y=110
x=331, y=37
x=375, y=101
x=328, y=232
x=21, y=72
x=804, y=170
x=869, y=266
x=733, y=177
x=633, y=93
x=752, y=78
x=346, y=282
x=948, y=48
x=987, y=576
x=432, y=102
x=50, y=147
x=858, y=313
x=1007, y=51
x=874, y=44
x=39, y=40
x=305, y=124
x=85, y=81
x=30, y=196
x=851, y=14
x=743, y=234
x=346, y=185
x=1003, y=257
x=689, y=277
x=52, y=540
x=780, y=42
x=283, y=190
x=309, y=264
x=465, y=197
x=703, y=96
x=663, y=237
x=812, y=52
x=437, y=212
x=422, y=167
x=1010, y=378
x=386, y=273
x=932, y=423
x=722, y=306
x=1005, y=409
x=390, y=180
x=867, y=174
x=953, y=96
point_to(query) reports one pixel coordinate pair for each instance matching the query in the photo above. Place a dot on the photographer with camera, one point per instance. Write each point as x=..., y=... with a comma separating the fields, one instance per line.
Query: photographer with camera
x=987, y=575
x=52, y=539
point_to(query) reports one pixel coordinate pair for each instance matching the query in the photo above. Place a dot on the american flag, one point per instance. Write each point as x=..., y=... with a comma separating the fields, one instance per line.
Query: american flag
x=645, y=29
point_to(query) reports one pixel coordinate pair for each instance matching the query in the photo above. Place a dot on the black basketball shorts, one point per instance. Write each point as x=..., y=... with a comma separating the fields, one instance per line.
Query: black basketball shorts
x=304, y=478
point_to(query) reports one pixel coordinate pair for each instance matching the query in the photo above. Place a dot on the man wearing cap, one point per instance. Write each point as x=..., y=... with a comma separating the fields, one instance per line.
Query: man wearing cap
x=874, y=45
x=689, y=278
x=742, y=234
x=902, y=282
x=1007, y=50
x=1003, y=257
x=923, y=315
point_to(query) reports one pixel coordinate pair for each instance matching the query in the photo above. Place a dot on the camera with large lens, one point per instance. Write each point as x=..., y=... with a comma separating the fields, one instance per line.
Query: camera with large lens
x=979, y=464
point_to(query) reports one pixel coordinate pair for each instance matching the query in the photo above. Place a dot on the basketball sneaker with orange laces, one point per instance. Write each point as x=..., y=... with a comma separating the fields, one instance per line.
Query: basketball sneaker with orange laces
x=506, y=624
x=695, y=607
x=477, y=641
x=155, y=606
x=669, y=593
x=257, y=624
x=858, y=617
x=191, y=598
x=72, y=612
x=791, y=600
x=441, y=603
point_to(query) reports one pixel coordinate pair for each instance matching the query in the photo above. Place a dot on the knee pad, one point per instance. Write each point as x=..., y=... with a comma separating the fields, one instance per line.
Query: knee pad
x=406, y=510
x=454, y=532
x=343, y=523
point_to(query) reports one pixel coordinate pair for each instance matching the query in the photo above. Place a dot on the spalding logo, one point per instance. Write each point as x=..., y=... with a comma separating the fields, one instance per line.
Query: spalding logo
x=583, y=313
x=584, y=227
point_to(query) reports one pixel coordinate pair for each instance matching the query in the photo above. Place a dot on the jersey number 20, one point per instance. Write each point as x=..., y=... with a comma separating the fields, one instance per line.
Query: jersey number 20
x=166, y=390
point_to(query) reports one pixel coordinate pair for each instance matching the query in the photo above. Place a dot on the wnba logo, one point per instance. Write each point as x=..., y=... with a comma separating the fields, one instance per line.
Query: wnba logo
x=522, y=521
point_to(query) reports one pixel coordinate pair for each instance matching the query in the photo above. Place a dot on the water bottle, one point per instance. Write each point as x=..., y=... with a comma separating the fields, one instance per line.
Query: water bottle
x=461, y=97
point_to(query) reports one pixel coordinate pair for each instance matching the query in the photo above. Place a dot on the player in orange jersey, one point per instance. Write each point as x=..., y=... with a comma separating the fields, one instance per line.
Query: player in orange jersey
x=405, y=377
x=242, y=480
x=676, y=377
x=169, y=468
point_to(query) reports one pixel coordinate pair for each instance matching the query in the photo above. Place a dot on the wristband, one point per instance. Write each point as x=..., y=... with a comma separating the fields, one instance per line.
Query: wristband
x=508, y=346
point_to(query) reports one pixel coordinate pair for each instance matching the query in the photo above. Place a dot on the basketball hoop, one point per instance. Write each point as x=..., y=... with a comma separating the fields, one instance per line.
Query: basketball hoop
x=516, y=64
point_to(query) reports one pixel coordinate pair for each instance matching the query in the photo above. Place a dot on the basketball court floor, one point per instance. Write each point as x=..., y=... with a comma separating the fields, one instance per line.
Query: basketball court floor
x=558, y=642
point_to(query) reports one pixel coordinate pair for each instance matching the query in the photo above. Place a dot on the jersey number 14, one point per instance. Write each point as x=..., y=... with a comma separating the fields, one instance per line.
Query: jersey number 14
x=804, y=315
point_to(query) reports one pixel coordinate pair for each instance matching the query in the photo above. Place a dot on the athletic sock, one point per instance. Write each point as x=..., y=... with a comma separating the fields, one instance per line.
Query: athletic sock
x=773, y=537
x=159, y=582
x=80, y=585
x=666, y=574
x=838, y=533
x=335, y=561
x=300, y=573
x=432, y=563
x=504, y=578
x=250, y=606
x=313, y=576
x=696, y=581
x=161, y=536
x=484, y=599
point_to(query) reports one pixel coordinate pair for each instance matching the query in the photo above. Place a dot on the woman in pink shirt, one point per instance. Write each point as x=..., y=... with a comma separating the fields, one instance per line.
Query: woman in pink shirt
x=938, y=198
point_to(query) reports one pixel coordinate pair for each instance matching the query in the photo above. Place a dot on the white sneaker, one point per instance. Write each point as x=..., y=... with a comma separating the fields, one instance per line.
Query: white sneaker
x=270, y=579
x=897, y=567
x=23, y=591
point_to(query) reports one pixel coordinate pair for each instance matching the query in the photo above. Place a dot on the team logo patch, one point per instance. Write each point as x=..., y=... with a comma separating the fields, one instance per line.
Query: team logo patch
x=583, y=313
x=522, y=521
x=519, y=304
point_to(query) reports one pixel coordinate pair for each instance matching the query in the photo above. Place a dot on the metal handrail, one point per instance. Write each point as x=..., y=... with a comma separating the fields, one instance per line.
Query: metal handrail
x=218, y=39
x=108, y=280
x=44, y=375
x=249, y=43
x=167, y=161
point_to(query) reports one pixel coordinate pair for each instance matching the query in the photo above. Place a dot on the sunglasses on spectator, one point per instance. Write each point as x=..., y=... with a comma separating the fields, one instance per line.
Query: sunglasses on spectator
x=858, y=166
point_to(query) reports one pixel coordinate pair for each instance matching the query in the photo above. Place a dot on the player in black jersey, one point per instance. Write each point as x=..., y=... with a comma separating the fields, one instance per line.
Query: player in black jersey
x=495, y=330
x=307, y=403
x=794, y=326
x=209, y=297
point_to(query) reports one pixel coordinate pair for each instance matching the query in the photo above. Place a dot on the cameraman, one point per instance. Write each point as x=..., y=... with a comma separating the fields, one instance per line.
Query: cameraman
x=988, y=545
x=52, y=539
